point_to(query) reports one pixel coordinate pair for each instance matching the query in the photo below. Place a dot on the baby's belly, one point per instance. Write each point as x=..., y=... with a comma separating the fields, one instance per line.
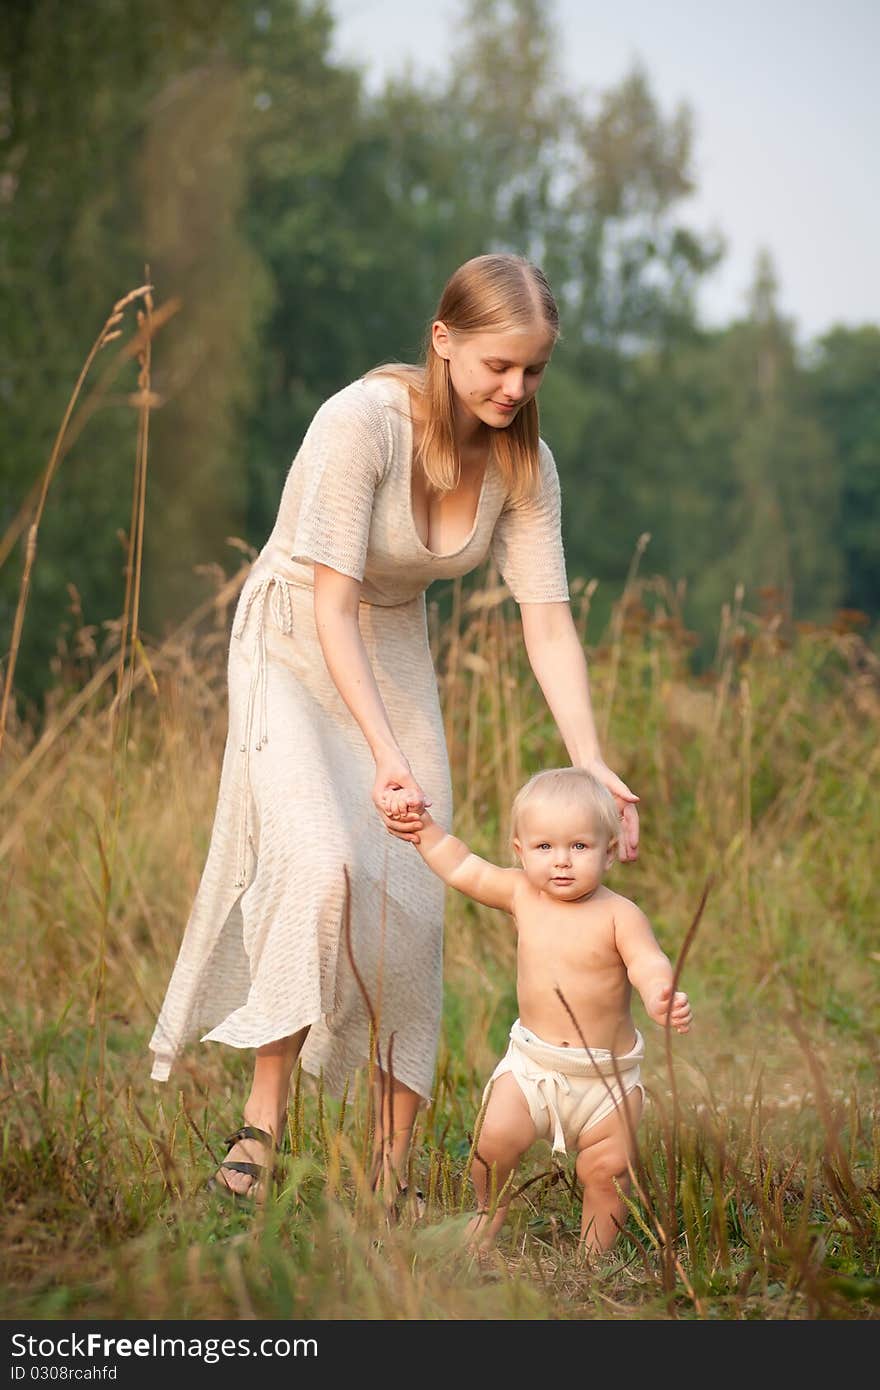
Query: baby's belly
x=578, y=1019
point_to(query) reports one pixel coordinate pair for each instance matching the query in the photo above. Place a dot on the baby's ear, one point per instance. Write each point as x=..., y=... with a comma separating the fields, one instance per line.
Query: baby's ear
x=611, y=851
x=517, y=848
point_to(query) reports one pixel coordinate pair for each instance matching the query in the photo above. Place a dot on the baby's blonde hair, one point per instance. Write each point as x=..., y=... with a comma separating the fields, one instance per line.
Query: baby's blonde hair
x=571, y=784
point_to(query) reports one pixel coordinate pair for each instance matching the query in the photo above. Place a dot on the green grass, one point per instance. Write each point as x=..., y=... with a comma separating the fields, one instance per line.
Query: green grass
x=759, y=1173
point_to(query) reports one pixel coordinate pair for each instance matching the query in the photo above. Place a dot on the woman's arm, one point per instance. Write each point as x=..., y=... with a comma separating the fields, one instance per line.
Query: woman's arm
x=336, y=618
x=557, y=659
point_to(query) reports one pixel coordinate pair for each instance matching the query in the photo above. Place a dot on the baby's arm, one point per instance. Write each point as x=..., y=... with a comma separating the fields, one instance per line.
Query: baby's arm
x=452, y=861
x=649, y=970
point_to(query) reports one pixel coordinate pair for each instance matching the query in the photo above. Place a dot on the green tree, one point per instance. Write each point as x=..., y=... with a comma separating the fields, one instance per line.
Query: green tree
x=307, y=229
x=83, y=93
x=590, y=188
x=749, y=472
x=127, y=139
x=844, y=381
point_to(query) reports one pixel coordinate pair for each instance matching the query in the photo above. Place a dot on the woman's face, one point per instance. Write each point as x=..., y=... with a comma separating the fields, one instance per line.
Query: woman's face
x=494, y=374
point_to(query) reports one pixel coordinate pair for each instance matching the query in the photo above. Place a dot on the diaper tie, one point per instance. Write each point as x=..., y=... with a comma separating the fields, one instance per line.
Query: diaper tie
x=549, y=1085
x=274, y=589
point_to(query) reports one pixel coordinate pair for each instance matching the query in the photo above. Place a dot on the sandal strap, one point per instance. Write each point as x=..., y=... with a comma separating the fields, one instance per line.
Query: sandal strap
x=251, y=1170
x=251, y=1132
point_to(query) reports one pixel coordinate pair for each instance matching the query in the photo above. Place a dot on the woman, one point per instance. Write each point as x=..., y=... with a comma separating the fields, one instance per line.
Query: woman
x=405, y=476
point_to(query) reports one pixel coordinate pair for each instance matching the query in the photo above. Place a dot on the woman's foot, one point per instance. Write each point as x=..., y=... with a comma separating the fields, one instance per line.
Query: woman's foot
x=246, y=1171
x=412, y=1202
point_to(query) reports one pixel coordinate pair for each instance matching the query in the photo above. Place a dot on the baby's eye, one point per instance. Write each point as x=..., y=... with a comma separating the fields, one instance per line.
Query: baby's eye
x=543, y=845
x=579, y=844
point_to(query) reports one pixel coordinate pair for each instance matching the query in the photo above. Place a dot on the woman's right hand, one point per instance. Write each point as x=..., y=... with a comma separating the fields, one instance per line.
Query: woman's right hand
x=398, y=798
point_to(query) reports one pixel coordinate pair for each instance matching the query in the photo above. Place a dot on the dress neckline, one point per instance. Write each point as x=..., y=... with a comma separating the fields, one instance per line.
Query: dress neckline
x=437, y=554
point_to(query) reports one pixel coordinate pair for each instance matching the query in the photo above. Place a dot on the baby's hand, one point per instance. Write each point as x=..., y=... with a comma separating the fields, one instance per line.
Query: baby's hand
x=397, y=803
x=679, y=1017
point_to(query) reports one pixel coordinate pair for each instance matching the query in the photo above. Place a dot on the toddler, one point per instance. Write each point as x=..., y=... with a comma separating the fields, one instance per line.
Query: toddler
x=571, y=1073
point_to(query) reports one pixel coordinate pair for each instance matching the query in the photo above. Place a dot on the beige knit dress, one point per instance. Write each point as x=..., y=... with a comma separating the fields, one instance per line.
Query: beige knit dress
x=263, y=953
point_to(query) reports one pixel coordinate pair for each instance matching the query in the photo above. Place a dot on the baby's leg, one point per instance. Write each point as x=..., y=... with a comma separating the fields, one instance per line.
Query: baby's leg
x=604, y=1151
x=507, y=1131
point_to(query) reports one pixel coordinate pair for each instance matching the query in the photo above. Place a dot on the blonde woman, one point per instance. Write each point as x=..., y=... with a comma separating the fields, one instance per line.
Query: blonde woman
x=407, y=475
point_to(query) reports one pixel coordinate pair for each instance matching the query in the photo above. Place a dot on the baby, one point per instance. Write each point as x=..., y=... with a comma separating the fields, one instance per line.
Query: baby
x=571, y=1073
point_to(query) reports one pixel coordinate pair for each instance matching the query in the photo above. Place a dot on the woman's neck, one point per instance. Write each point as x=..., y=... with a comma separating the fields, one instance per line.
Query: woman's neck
x=471, y=435
x=469, y=431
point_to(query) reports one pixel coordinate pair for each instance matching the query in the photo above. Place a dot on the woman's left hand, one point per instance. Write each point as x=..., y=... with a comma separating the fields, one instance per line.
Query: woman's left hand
x=628, y=843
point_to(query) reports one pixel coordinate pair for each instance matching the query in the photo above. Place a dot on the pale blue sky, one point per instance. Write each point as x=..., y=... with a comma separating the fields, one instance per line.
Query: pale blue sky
x=786, y=100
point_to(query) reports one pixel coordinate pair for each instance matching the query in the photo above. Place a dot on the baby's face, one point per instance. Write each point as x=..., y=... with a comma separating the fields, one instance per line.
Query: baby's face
x=562, y=851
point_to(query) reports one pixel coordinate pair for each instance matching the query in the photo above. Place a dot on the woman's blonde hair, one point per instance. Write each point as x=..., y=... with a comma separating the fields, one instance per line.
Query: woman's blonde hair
x=500, y=293
x=571, y=784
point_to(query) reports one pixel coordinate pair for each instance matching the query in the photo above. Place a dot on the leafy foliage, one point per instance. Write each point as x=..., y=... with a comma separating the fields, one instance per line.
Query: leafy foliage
x=307, y=228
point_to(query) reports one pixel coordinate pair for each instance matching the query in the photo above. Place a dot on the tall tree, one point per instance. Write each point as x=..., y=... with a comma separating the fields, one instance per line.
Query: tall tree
x=127, y=139
x=590, y=188
x=308, y=227
x=844, y=381
x=748, y=473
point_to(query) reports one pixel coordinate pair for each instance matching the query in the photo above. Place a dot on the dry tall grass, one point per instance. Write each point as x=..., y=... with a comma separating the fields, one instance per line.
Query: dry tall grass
x=758, y=1189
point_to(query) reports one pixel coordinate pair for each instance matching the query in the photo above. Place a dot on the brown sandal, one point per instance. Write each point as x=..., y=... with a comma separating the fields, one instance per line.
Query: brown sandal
x=252, y=1170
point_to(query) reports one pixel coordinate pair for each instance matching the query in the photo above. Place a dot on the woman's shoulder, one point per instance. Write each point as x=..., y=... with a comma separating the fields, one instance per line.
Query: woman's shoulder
x=364, y=403
x=548, y=473
x=545, y=454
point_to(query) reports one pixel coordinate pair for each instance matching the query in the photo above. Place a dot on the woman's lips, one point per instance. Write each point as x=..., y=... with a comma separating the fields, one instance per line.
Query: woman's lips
x=508, y=409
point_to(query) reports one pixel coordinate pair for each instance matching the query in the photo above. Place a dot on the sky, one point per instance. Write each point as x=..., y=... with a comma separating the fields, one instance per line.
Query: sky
x=786, y=103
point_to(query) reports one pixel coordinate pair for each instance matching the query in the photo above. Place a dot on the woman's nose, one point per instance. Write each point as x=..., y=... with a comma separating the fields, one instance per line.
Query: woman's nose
x=514, y=386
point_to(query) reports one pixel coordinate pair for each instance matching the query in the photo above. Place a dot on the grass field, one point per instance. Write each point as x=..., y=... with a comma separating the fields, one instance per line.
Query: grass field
x=757, y=1191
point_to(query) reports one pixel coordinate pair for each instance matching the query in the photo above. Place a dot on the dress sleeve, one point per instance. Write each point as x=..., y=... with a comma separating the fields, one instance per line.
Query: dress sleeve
x=343, y=456
x=527, y=541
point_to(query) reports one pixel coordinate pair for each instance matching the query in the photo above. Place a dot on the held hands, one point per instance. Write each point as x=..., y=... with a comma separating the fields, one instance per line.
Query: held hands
x=399, y=799
x=657, y=1008
x=628, y=841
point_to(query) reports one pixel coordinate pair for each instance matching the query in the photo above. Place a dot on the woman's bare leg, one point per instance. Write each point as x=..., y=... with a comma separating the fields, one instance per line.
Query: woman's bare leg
x=396, y=1107
x=265, y=1108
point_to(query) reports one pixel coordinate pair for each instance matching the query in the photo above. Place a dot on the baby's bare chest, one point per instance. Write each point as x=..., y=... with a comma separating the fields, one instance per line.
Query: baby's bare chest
x=551, y=945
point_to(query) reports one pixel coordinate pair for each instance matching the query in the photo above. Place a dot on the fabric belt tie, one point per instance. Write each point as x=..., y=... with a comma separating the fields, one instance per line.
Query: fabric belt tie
x=274, y=588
